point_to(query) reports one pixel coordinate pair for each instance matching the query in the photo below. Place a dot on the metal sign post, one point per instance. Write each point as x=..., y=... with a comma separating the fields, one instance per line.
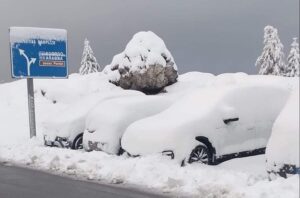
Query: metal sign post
x=37, y=53
x=31, y=107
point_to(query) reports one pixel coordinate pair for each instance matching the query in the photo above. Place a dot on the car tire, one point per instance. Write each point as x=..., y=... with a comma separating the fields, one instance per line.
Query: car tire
x=77, y=143
x=201, y=154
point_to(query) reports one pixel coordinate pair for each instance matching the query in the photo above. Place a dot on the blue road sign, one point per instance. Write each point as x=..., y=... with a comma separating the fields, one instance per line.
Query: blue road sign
x=38, y=52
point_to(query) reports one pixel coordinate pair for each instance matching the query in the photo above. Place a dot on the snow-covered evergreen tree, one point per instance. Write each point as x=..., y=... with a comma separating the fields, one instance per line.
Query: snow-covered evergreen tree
x=271, y=61
x=292, y=67
x=89, y=62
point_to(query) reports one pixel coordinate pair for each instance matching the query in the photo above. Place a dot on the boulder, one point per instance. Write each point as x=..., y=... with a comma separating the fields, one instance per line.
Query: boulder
x=145, y=65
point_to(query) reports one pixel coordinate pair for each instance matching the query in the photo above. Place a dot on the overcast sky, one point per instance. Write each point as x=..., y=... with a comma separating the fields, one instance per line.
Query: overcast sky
x=203, y=35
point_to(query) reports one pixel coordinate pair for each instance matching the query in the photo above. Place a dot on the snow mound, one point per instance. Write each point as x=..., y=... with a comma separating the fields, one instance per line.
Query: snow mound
x=144, y=49
x=145, y=64
x=283, y=146
x=188, y=82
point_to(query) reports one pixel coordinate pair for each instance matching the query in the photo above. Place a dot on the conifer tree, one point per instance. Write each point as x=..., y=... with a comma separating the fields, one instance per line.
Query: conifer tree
x=292, y=67
x=271, y=61
x=89, y=62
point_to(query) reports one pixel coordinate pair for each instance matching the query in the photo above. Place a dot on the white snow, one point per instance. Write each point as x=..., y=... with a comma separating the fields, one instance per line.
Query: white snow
x=109, y=119
x=79, y=95
x=201, y=113
x=188, y=82
x=143, y=50
x=70, y=121
x=283, y=146
x=23, y=34
x=237, y=178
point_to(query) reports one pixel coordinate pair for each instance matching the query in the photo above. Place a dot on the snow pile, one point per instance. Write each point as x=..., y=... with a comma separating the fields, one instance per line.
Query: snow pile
x=22, y=34
x=283, y=146
x=146, y=64
x=235, y=178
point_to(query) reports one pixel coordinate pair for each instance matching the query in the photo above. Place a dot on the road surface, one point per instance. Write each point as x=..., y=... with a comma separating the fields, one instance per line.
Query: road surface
x=16, y=182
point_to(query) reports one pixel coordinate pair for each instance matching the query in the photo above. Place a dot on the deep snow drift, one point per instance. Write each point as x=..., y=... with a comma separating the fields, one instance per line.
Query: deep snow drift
x=244, y=177
x=283, y=146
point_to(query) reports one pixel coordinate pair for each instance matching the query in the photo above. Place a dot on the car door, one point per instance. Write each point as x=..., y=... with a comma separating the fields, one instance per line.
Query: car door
x=239, y=111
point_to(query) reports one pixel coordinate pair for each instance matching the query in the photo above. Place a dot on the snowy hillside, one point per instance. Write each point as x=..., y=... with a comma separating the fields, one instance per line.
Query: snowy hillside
x=237, y=178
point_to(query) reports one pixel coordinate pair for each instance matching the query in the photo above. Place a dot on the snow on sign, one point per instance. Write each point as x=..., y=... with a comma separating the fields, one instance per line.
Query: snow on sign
x=38, y=52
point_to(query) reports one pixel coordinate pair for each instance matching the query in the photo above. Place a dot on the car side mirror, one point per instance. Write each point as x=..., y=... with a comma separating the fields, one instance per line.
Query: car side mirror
x=229, y=114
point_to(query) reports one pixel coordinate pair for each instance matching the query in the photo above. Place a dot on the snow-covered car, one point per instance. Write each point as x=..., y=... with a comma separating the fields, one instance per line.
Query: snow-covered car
x=66, y=128
x=107, y=122
x=211, y=124
x=282, y=151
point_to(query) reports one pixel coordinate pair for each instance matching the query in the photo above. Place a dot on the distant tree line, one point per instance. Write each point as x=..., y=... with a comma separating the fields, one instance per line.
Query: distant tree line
x=271, y=61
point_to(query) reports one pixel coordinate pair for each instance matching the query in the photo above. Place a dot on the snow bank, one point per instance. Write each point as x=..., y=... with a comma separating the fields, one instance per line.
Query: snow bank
x=156, y=172
x=283, y=146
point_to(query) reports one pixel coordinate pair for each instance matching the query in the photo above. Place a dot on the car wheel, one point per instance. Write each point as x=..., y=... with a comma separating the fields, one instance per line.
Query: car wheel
x=201, y=154
x=77, y=143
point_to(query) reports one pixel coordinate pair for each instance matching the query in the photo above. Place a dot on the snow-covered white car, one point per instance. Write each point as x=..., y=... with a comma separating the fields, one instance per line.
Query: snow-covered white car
x=211, y=124
x=66, y=128
x=107, y=122
x=282, y=151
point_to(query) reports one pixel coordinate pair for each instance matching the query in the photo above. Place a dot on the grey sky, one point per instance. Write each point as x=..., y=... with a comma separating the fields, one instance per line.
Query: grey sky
x=203, y=35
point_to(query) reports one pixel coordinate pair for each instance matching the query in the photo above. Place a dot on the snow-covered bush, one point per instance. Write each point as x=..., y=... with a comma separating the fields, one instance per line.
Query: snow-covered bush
x=146, y=64
x=292, y=68
x=271, y=61
x=89, y=62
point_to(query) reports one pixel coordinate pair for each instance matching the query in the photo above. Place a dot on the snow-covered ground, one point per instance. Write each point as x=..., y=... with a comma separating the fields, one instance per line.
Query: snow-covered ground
x=244, y=177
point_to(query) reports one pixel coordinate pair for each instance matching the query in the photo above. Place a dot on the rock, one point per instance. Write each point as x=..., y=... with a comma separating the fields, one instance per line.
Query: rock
x=145, y=65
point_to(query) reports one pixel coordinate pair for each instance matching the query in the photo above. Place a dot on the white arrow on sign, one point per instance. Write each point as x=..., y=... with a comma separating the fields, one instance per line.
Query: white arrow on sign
x=29, y=62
